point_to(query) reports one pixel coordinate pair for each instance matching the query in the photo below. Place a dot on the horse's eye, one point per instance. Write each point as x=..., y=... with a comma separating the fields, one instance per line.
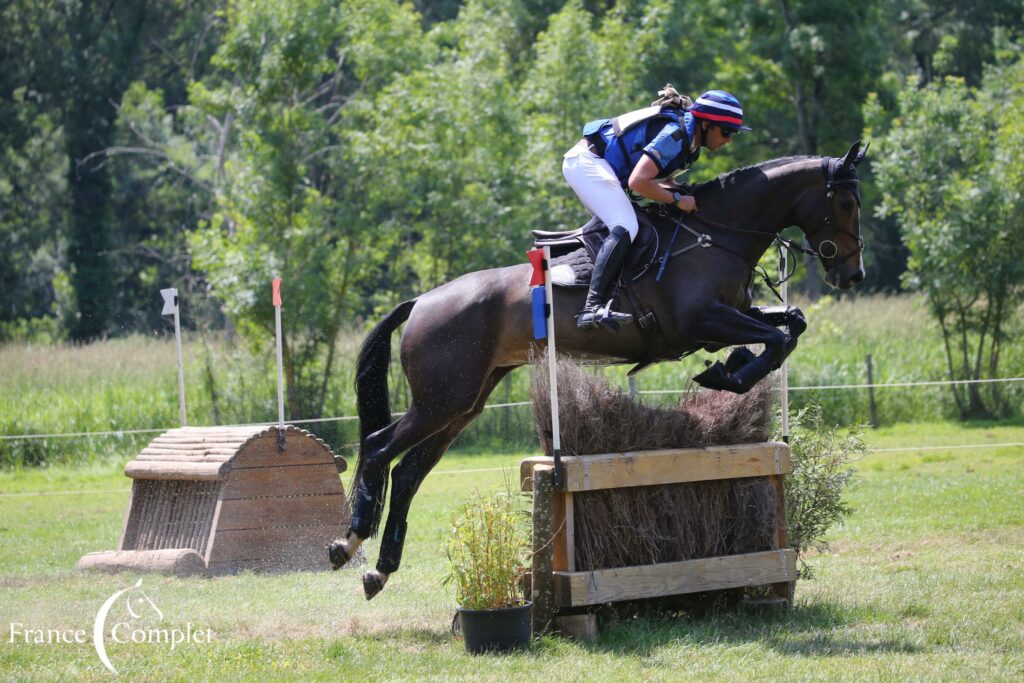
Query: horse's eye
x=846, y=205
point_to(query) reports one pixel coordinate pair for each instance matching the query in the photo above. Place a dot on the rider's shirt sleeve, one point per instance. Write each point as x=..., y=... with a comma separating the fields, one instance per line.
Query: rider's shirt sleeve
x=666, y=145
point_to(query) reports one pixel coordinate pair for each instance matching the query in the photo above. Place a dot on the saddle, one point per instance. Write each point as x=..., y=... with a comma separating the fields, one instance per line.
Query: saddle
x=573, y=251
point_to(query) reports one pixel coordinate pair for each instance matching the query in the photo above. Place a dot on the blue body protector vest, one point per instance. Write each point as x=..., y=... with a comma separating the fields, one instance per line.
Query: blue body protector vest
x=621, y=140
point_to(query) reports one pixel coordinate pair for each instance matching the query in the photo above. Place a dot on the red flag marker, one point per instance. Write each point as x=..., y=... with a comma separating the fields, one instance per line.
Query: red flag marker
x=276, y=285
x=536, y=257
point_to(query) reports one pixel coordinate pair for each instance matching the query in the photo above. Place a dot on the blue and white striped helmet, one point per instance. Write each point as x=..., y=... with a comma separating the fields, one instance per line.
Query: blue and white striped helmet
x=721, y=108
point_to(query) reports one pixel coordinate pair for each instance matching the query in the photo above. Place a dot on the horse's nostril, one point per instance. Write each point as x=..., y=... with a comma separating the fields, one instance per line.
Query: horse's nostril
x=858, y=276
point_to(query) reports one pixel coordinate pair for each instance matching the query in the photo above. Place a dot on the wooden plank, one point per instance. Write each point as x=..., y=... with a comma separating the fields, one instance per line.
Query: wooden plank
x=781, y=538
x=223, y=440
x=210, y=541
x=786, y=589
x=541, y=579
x=570, y=532
x=231, y=446
x=293, y=511
x=581, y=627
x=174, y=470
x=559, y=544
x=578, y=589
x=258, y=482
x=671, y=466
x=299, y=450
x=305, y=546
x=180, y=456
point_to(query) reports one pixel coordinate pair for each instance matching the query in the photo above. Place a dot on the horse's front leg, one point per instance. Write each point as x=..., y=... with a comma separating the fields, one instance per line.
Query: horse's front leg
x=790, y=317
x=723, y=325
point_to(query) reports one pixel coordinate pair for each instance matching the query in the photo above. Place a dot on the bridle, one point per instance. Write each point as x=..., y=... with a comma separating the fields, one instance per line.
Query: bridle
x=836, y=178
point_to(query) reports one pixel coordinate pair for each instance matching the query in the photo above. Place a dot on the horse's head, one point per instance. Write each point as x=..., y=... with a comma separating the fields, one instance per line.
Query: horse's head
x=833, y=220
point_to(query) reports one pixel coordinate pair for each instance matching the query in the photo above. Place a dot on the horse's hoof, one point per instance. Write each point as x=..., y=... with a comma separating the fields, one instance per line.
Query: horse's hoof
x=338, y=554
x=372, y=585
x=738, y=358
x=718, y=378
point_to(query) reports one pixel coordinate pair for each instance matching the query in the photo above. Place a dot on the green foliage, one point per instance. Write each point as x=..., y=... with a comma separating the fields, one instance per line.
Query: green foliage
x=489, y=549
x=821, y=458
x=947, y=174
x=287, y=74
x=32, y=193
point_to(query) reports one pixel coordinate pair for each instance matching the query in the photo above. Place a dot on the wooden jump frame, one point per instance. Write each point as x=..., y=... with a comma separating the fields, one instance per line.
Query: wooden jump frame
x=558, y=587
x=218, y=500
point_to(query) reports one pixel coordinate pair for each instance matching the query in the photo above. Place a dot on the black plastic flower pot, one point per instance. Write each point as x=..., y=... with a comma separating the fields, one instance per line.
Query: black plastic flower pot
x=496, y=630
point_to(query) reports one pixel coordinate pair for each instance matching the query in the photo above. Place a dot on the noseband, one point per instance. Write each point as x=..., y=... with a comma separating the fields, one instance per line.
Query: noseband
x=837, y=178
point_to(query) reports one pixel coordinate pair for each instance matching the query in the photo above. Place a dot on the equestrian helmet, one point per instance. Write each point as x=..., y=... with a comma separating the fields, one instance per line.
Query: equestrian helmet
x=721, y=108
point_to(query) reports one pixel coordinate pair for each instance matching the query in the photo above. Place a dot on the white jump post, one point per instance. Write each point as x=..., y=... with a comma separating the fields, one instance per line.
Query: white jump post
x=170, y=296
x=544, y=326
x=556, y=437
x=276, y=289
x=784, y=370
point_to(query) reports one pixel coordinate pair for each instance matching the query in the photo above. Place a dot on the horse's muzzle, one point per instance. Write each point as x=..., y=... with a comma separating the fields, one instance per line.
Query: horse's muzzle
x=839, y=277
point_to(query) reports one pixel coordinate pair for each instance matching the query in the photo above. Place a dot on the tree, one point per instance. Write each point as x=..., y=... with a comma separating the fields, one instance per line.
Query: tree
x=272, y=132
x=949, y=172
x=65, y=68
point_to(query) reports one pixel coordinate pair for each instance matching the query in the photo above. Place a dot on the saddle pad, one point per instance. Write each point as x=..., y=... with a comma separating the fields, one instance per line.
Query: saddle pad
x=573, y=269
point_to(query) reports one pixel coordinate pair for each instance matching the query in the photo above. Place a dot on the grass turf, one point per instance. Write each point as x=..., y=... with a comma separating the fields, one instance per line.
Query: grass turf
x=924, y=582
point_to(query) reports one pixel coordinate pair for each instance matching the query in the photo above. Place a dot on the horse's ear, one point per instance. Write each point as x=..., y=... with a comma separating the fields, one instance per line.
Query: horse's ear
x=860, y=155
x=852, y=157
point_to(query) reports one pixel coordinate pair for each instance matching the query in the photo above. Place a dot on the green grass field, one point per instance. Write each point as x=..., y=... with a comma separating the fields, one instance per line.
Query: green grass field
x=924, y=582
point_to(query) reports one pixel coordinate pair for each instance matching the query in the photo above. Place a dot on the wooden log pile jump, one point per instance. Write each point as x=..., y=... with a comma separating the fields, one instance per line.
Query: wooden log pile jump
x=219, y=500
x=642, y=519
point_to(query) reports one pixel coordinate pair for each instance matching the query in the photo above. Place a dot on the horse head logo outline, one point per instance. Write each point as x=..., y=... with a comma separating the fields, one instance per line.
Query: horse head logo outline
x=100, y=624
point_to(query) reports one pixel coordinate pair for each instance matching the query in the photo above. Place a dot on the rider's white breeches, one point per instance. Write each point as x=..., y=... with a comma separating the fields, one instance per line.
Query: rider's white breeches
x=594, y=182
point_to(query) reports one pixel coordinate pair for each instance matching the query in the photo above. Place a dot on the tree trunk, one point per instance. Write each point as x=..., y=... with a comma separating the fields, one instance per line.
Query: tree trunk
x=106, y=45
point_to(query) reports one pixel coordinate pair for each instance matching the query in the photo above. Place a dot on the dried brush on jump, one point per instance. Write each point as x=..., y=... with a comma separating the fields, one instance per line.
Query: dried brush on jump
x=665, y=523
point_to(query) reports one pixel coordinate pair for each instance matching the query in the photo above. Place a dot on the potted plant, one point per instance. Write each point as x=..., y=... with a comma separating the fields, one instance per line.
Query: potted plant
x=488, y=554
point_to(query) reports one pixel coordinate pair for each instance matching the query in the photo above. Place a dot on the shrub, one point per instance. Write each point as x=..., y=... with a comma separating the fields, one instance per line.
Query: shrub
x=489, y=549
x=821, y=472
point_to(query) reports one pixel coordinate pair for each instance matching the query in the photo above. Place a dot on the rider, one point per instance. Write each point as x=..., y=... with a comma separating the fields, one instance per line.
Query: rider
x=641, y=158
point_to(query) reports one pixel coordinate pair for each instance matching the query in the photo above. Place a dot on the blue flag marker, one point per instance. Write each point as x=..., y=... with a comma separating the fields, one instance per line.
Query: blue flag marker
x=540, y=322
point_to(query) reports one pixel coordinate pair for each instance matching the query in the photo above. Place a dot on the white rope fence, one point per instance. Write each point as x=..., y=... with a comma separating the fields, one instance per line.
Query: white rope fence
x=877, y=385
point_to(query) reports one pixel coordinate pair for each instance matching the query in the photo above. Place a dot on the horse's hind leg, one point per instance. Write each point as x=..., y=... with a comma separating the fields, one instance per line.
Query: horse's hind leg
x=431, y=412
x=406, y=478
x=380, y=448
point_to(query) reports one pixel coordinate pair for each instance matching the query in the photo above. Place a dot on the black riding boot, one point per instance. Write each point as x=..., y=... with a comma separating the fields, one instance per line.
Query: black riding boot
x=597, y=310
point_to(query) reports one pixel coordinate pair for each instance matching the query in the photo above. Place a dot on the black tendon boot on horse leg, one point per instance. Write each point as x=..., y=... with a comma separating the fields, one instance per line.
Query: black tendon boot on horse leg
x=597, y=310
x=368, y=496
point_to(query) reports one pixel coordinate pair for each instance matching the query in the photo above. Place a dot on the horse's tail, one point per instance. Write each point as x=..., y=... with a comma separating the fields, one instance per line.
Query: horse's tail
x=372, y=399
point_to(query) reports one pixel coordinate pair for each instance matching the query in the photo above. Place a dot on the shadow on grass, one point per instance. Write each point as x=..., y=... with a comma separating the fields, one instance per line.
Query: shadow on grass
x=1013, y=421
x=812, y=630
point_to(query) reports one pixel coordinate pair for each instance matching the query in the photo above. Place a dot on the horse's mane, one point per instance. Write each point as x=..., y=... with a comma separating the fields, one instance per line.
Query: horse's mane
x=742, y=175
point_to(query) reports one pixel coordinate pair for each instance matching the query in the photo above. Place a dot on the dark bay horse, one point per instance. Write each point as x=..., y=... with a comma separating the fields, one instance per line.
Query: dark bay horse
x=462, y=338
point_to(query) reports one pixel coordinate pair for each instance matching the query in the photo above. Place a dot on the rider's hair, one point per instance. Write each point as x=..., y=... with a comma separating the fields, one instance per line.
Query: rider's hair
x=670, y=97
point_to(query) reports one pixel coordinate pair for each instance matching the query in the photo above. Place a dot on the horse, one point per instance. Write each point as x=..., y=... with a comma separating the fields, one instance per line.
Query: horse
x=463, y=337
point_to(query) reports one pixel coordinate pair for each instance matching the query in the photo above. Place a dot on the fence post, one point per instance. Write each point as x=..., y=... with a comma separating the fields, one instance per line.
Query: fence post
x=871, y=394
x=632, y=387
x=542, y=581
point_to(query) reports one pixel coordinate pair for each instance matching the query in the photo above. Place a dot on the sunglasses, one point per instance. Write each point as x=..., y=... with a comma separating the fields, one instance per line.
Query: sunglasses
x=726, y=132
